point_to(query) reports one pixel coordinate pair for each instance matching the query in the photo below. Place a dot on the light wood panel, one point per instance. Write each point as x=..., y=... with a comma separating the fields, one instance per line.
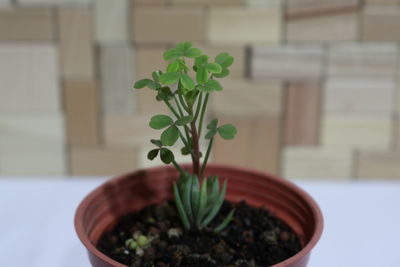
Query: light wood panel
x=149, y=28
x=117, y=78
x=29, y=78
x=363, y=59
x=378, y=165
x=26, y=24
x=302, y=115
x=111, y=20
x=102, y=161
x=128, y=130
x=82, y=113
x=76, y=43
x=360, y=95
x=256, y=145
x=63, y=3
x=250, y=25
x=208, y=2
x=380, y=23
x=360, y=131
x=294, y=62
x=317, y=163
x=243, y=97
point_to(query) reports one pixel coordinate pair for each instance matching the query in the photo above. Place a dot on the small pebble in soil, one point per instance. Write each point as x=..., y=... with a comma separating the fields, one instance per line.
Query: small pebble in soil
x=253, y=238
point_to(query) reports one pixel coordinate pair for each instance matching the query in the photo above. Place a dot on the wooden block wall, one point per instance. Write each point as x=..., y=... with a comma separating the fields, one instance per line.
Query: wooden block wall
x=314, y=91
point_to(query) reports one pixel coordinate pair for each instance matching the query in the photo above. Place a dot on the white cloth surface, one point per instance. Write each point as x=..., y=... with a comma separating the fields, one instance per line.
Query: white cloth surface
x=362, y=221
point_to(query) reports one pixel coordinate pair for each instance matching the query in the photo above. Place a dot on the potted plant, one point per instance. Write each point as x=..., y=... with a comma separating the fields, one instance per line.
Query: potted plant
x=131, y=220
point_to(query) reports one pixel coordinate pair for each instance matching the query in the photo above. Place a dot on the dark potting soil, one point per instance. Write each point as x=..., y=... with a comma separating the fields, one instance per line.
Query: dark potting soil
x=253, y=238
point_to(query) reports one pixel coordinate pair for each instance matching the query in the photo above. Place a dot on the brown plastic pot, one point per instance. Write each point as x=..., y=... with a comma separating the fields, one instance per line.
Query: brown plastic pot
x=102, y=208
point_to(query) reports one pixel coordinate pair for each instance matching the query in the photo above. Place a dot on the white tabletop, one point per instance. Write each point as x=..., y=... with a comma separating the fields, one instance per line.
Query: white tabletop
x=362, y=222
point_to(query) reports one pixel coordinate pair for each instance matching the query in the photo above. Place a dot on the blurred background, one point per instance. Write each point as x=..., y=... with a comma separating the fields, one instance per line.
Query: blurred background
x=314, y=89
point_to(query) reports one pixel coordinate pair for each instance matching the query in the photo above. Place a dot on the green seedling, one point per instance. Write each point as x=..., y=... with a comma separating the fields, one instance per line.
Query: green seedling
x=185, y=89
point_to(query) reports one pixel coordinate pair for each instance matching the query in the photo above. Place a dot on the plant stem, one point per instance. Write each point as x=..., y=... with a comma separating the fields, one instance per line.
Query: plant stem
x=172, y=109
x=179, y=107
x=196, y=149
x=202, y=112
x=182, y=101
x=199, y=102
x=177, y=166
x=203, y=167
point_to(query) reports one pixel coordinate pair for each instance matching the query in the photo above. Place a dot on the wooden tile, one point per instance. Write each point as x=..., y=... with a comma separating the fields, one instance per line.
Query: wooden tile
x=360, y=131
x=55, y=2
x=26, y=24
x=238, y=69
x=128, y=130
x=382, y=2
x=362, y=59
x=149, y=24
x=380, y=23
x=147, y=103
x=102, y=161
x=343, y=27
x=32, y=159
x=117, y=78
x=34, y=128
x=297, y=9
x=208, y=2
x=111, y=20
x=256, y=145
x=31, y=144
x=250, y=25
x=360, y=94
x=378, y=165
x=317, y=163
x=82, y=113
x=5, y=3
x=316, y=20
x=29, y=78
x=294, y=62
x=76, y=43
x=248, y=98
x=150, y=2
x=302, y=115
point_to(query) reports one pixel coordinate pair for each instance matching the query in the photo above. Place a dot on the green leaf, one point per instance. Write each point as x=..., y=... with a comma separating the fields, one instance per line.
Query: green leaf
x=156, y=142
x=201, y=75
x=185, y=150
x=225, y=223
x=191, y=96
x=211, y=133
x=156, y=75
x=184, y=120
x=213, y=190
x=165, y=94
x=216, y=207
x=160, y=121
x=152, y=154
x=170, y=136
x=184, y=46
x=224, y=73
x=202, y=202
x=212, y=124
x=195, y=195
x=166, y=155
x=182, y=65
x=227, y=131
x=170, y=78
x=193, y=52
x=224, y=59
x=201, y=60
x=186, y=201
x=213, y=67
x=181, y=210
x=173, y=67
x=212, y=85
x=172, y=54
x=187, y=82
x=142, y=83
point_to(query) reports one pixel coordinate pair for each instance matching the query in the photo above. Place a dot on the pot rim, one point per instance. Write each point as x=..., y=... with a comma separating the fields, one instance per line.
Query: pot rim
x=316, y=211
